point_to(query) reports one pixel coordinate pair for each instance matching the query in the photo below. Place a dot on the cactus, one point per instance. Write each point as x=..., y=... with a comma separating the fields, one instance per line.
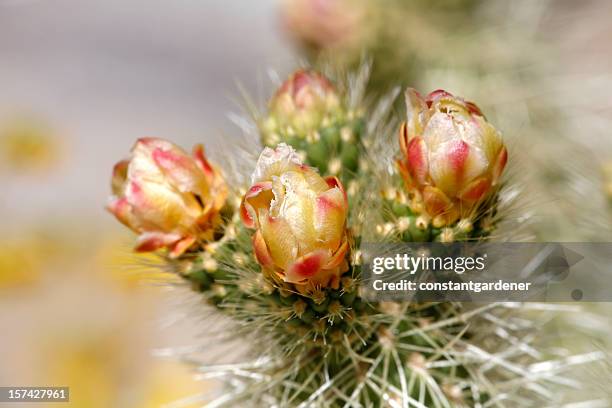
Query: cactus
x=285, y=264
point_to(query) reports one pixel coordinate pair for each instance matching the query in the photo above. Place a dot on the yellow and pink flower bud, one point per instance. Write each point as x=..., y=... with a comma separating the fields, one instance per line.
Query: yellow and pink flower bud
x=300, y=221
x=452, y=158
x=171, y=199
x=303, y=101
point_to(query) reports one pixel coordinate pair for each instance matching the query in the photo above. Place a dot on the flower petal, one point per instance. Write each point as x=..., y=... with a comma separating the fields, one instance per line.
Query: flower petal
x=294, y=202
x=476, y=190
x=202, y=161
x=155, y=207
x=330, y=218
x=448, y=165
x=455, y=163
x=402, y=166
x=436, y=202
x=261, y=251
x=339, y=256
x=181, y=170
x=313, y=179
x=179, y=248
x=279, y=238
x=306, y=267
x=473, y=108
x=334, y=182
x=274, y=162
x=119, y=178
x=417, y=159
x=151, y=241
x=500, y=164
x=258, y=197
x=416, y=113
x=150, y=143
x=247, y=215
x=440, y=129
x=436, y=95
x=122, y=210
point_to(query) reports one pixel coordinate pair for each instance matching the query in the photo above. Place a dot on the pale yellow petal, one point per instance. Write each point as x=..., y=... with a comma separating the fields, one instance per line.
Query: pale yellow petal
x=278, y=236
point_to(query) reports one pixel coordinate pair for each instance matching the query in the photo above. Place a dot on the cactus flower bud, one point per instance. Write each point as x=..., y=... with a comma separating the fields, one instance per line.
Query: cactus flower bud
x=301, y=104
x=300, y=220
x=324, y=24
x=451, y=156
x=169, y=198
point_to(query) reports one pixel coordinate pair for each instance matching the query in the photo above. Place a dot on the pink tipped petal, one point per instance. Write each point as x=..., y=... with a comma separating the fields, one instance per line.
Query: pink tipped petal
x=500, y=164
x=417, y=159
x=330, y=218
x=181, y=169
x=149, y=141
x=302, y=80
x=437, y=95
x=119, y=177
x=151, y=241
x=257, y=188
x=146, y=145
x=334, y=182
x=171, y=160
x=306, y=267
x=258, y=197
x=247, y=215
x=436, y=202
x=476, y=190
x=179, y=248
x=261, y=251
x=200, y=158
x=121, y=209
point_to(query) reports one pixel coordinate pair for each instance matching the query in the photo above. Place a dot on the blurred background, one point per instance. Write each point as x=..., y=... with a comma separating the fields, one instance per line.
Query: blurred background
x=80, y=81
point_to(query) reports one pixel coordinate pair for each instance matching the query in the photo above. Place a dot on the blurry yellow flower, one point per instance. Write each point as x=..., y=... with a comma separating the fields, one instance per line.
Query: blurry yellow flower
x=171, y=382
x=300, y=219
x=123, y=268
x=19, y=266
x=451, y=156
x=88, y=368
x=27, y=144
x=168, y=197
